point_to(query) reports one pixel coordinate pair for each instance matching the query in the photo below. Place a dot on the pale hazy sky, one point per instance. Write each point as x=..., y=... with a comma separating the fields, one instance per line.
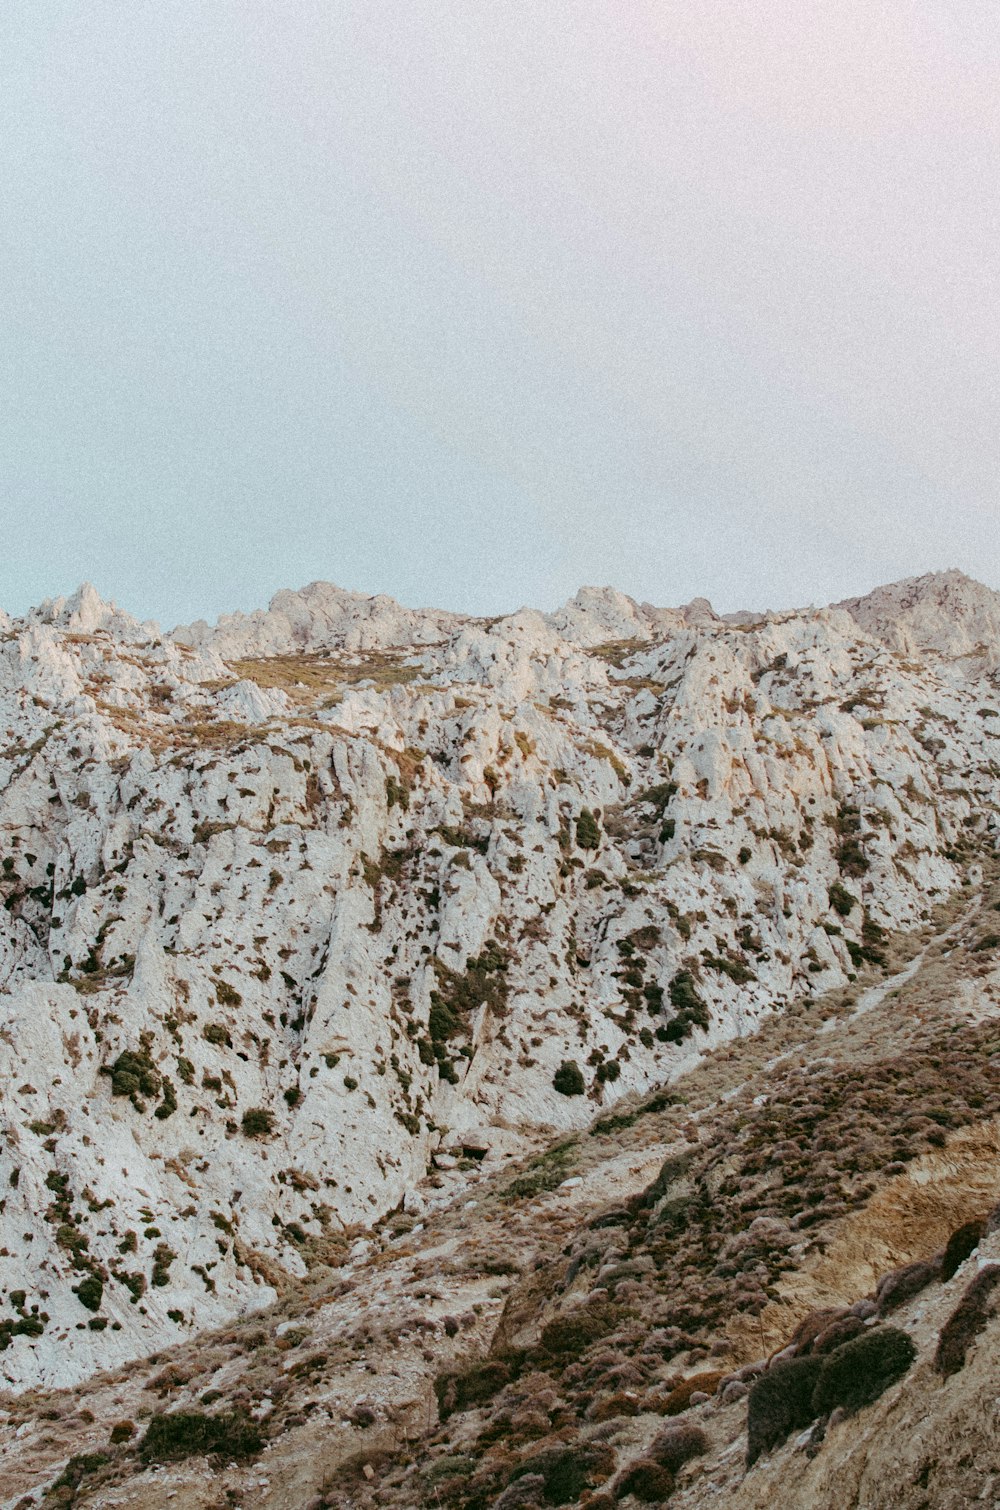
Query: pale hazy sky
x=475, y=301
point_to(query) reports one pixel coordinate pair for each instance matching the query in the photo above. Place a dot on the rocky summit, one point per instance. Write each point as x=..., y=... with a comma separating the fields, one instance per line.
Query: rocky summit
x=439, y=1051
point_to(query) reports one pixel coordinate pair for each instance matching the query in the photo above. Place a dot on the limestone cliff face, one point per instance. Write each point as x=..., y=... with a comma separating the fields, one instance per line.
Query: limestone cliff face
x=290, y=902
x=941, y=611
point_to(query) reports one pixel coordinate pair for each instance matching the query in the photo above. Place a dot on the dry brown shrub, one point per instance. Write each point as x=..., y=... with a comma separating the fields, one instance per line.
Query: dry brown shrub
x=680, y=1398
x=647, y=1481
x=677, y=1445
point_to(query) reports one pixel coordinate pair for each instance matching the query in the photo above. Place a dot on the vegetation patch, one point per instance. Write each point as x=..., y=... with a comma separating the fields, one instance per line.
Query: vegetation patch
x=133, y=1074
x=677, y=1445
x=861, y=1370
x=81, y=1466
x=460, y=1391
x=962, y=1243
x=258, y=1122
x=189, y=1433
x=780, y=1402
x=967, y=1320
x=841, y=900
x=588, y=830
x=568, y=1079
x=647, y=1481
x=566, y=1472
x=457, y=995
x=690, y=1010
x=544, y=1172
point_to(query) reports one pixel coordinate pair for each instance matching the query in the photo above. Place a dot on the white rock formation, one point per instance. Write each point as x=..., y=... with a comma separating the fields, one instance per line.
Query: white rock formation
x=942, y=611
x=367, y=890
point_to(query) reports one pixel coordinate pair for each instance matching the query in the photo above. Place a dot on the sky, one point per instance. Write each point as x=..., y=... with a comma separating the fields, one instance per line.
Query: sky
x=473, y=302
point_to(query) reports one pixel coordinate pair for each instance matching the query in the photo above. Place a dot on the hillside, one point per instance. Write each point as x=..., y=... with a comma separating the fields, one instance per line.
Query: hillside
x=560, y=1298
x=325, y=923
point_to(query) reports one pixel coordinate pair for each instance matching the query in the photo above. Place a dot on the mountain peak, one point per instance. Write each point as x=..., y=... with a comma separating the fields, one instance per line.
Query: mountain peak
x=947, y=611
x=86, y=612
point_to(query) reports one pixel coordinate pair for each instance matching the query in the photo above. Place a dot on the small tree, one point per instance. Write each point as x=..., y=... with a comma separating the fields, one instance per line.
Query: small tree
x=568, y=1079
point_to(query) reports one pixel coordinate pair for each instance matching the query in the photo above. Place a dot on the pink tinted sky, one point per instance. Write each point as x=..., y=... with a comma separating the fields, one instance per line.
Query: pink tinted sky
x=473, y=302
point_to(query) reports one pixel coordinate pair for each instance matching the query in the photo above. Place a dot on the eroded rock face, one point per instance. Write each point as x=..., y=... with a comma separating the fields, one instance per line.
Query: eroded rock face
x=292, y=902
x=941, y=611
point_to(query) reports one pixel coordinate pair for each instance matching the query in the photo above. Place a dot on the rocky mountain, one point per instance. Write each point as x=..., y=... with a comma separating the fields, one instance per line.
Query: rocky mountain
x=319, y=919
x=944, y=612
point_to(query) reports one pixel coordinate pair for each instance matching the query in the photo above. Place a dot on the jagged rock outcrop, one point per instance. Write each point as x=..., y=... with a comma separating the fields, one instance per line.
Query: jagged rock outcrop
x=946, y=612
x=292, y=901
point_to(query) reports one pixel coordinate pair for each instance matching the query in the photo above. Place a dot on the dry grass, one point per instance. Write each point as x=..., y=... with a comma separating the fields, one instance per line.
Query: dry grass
x=311, y=678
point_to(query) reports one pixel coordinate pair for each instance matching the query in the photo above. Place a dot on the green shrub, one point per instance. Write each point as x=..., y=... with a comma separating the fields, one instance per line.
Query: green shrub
x=185, y=1433
x=963, y=1242
x=163, y=1257
x=568, y=1079
x=258, y=1122
x=565, y=1472
x=588, y=832
x=133, y=1075
x=397, y=792
x=851, y=857
x=780, y=1401
x=90, y=1292
x=463, y=838
x=734, y=968
x=25, y=1326
x=443, y=1021
x=966, y=1321
x=168, y=1105
x=77, y=1469
x=659, y=796
x=135, y=1284
x=689, y=1009
x=859, y=1371
x=482, y=984
x=841, y=899
x=544, y=1172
